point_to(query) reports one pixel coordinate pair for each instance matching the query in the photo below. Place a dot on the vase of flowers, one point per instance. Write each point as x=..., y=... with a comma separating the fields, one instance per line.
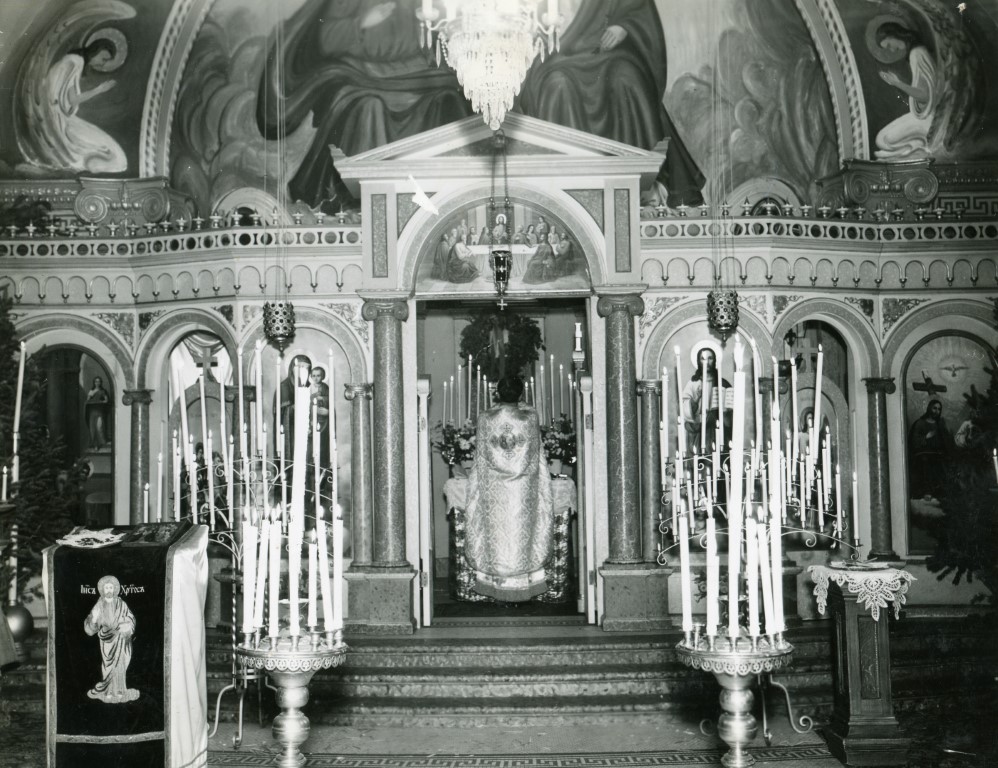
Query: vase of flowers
x=456, y=444
x=558, y=441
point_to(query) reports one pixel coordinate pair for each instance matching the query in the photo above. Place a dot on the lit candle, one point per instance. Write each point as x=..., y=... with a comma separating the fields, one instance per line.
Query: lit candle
x=333, y=479
x=685, y=582
x=3, y=493
x=12, y=587
x=445, y=417
x=838, y=502
x=794, y=412
x=704, y=400
x=681, y=438
x=713, y=579
x=561, y=388
x=204, y=422
x=578, y=337
x=192, y=480
x=145, y=503
x=249, y=572
x=756, y=397
x=222, y=431
x=478, y=389
x=552, y=415
x=313, y=546
x=295, y=540
x=664, y=425
x=994, y=458
x=541, y=403
x=19, y=391
x=469, y=388
x=176, y=477
x=239, y=399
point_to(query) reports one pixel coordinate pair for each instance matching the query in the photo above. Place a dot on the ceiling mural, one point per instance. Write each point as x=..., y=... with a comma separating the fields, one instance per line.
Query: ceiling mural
x=738, y=87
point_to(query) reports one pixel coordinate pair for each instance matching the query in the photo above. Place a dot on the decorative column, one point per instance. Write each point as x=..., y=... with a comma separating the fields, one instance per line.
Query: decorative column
x=380, y=594
x=360, y=396
x=881, y=544
x=863, y=729
x=635, y=591
x=650, y=390
x=139, y=400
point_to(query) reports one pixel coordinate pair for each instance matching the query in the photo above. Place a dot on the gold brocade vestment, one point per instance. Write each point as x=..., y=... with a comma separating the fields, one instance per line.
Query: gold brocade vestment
x=509, y=509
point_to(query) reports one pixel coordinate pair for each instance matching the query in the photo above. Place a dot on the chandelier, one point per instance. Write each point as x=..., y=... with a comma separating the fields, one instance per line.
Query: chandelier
x=490, y=45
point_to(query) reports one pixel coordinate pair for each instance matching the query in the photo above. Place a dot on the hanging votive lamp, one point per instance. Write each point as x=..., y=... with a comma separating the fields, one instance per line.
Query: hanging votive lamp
x=279, y=322
x=722, y=311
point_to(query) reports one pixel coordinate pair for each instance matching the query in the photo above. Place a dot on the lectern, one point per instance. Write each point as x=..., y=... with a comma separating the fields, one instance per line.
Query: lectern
x=126, y=647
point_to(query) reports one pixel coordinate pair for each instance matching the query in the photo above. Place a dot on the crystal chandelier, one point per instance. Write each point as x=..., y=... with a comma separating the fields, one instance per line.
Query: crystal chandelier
x=490, y=45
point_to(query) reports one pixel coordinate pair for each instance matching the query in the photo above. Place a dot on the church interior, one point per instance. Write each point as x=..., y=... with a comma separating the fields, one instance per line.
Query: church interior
x=490, y=382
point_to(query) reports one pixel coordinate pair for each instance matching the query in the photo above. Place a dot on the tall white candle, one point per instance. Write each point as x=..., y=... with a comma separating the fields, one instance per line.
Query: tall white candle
x=756, y=395
x=313, y=583
x=145, y=503
x=337, y=585
x=795, y=412
x=705, y=394
x=333, y=478
x=209, y=461
x=160, y=489
x=176, y=477
x=713, y=579
x=469, y=388
x=541, y=402
x=274, y=586
x=855, y=508
x=817, y=400
x=776, y=550
x=258, y=367
x=223, y=433
x=204, y=421
x=240, y=403
x=735, y=489
x=561, y=388
x=478, y=390
x=838, y=501
x=192, y=480
x=752, y=575
x=327, y=601
x=551, y=393
x=664, y=447
x=445, y=417
x=764, y=564
x=3, y=493
x=259, y=592
x=12, y=562
x=249, y=572
x=685, y=581
x=295, y=540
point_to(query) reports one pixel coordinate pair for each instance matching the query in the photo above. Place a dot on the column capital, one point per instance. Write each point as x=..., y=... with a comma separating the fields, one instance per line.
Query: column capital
x=136, y=396
x=381, y=306
x=649, y=386
x=627, y=302
x=875, y=384
x=352, y=391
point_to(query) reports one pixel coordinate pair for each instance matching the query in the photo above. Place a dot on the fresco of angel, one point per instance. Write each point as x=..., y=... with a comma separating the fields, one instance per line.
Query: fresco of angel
x=51, y=134
x=941, y=86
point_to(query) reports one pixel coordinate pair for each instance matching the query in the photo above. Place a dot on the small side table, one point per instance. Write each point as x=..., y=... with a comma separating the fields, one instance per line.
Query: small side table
x=863, y=729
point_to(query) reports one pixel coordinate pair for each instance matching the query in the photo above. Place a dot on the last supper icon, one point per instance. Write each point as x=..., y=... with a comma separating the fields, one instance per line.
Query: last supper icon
x=114, y=624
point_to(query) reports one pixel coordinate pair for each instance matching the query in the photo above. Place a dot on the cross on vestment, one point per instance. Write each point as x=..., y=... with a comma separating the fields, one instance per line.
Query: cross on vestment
x=927, y=385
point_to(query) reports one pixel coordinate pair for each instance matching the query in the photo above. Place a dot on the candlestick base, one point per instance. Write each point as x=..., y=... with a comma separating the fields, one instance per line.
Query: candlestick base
x=736, y=666
x=291, y=667
x=21, y=624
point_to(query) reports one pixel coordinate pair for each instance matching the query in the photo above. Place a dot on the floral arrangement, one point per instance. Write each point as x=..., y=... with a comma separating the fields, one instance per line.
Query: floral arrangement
x=455, y=443
x=558, y=439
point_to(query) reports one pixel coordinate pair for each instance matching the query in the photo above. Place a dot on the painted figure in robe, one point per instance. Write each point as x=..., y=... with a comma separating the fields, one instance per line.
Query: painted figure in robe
x=114, y=624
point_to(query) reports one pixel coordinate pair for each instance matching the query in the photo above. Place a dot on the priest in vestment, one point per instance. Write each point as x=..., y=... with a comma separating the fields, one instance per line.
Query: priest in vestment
x=509, y=512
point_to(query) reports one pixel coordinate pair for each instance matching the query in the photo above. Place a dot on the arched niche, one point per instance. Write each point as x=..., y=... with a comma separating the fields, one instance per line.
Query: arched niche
x=419, y=239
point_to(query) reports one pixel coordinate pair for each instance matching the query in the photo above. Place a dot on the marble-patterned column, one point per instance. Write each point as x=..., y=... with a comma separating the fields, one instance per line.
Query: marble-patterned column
x=360, y=396
x=650, y=391
x=881, y=542
x=139, y=400
x=388, y=314
x=622, y=427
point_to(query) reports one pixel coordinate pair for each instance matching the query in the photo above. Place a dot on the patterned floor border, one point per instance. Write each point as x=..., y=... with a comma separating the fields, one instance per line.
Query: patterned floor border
x=809, y=755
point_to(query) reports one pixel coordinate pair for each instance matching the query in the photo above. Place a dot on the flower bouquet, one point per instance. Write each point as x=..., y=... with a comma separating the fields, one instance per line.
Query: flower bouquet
x=455, y=443
x=558, y=440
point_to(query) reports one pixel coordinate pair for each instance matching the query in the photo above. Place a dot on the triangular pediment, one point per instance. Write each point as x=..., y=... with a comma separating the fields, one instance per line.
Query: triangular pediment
x=533, y=148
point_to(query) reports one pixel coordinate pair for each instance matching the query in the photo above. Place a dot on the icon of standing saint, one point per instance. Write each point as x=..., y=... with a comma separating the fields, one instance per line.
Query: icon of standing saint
x=114, y=624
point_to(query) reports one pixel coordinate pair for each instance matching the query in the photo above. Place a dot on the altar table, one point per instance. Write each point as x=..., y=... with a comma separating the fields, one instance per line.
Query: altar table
x=126, y=666
x=559, y=568
x=863, y=729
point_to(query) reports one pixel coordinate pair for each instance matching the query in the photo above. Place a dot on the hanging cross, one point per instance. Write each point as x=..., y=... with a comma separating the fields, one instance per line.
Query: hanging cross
x=928, y=385
x=808, y=351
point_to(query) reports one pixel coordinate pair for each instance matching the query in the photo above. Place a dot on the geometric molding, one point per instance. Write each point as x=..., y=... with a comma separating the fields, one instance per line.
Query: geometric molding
x=894, y=309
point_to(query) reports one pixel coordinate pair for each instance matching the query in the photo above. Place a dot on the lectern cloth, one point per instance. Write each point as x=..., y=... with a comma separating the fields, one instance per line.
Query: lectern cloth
x=126, y=671
x=509, y=512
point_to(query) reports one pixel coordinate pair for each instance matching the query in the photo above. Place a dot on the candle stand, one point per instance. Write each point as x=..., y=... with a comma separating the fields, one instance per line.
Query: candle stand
x=290, y=662
x=736, y=666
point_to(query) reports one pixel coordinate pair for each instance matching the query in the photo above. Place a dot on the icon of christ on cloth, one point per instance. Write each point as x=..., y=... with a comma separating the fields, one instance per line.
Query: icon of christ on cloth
x=114, y=624
x=510, y=509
